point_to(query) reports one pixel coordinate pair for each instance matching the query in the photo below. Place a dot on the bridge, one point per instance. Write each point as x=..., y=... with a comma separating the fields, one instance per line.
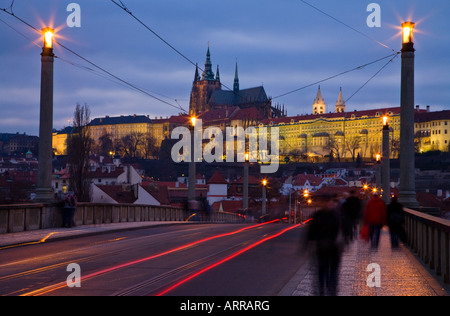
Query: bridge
x=427, y=242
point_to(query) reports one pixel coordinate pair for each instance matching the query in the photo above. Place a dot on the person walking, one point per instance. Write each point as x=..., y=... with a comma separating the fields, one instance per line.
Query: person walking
x=351, y=210
x=395, y=221
x=69, y=209
x=324, y=230
x=375, y=218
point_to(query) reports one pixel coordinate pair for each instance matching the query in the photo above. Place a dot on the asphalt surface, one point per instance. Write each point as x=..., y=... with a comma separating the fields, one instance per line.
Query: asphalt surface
x=193, y=260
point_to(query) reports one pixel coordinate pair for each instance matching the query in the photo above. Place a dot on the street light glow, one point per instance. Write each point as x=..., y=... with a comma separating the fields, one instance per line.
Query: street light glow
x=407, y=31
x=378, y=157
x=48, y=37
x=193, y=120
x=385, y=120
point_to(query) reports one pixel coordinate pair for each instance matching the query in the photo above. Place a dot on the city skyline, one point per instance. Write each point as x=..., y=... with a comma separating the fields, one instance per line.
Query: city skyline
x=282, y=46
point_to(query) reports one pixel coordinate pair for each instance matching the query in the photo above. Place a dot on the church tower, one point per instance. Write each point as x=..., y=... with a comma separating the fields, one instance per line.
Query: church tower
x=340, y=104
x=236, y=80
x=319, y=104
x=202, y=93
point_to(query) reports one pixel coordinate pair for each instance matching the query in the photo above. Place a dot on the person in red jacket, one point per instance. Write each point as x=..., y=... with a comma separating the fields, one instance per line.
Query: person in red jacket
x=375, y=218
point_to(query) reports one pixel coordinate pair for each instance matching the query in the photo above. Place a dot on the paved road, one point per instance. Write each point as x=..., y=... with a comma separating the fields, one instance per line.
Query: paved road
x=203, y=259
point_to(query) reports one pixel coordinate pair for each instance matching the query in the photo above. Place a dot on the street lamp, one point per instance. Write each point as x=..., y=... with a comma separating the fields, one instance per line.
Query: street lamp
x=407, y=187
x=44, y=192
x=48, y=37
x=378, y=170
x=191, y=180
x=385, y=175
x=408, y=32
x=245, y=184
x=264, y=184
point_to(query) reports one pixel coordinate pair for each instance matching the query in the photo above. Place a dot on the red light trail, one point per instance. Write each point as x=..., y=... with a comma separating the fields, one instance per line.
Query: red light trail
x=192, y=276
x=60, y=285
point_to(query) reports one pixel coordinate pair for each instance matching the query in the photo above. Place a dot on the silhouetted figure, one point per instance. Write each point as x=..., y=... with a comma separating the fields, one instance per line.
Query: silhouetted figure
x=351, y=210
x=395, y=221
x=69, y=209
x=324, y=230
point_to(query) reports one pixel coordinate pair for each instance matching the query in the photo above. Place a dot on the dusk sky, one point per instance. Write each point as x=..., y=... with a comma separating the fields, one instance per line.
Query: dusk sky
x=282, y=45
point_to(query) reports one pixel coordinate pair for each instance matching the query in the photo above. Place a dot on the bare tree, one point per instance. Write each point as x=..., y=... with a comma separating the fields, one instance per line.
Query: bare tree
x=335, y=147
x=79, y=145
x=395, y=147
x=131, y=145
x=150, y=149
x=351, y=145
x=105, y=144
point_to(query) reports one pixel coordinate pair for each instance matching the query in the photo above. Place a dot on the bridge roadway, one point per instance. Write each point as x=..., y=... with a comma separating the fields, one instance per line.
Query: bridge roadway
x=229, y=259
x=151, y=258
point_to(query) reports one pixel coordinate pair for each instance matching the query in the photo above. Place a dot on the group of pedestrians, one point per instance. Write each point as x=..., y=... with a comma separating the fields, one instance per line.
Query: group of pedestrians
x=339, y=221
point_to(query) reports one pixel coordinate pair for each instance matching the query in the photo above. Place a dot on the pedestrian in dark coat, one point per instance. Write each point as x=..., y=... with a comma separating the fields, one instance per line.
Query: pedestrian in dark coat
x=324, y=230
x=69, y=209
x=395, y=221
x=351, y=210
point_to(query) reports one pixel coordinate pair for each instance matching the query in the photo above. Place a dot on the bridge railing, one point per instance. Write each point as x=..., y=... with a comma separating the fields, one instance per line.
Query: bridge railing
x=428, y=236
x=25, y=217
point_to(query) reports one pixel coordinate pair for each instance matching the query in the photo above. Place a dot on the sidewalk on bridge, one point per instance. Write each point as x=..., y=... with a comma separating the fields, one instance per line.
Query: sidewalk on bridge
x=10, y=240
x=401, y=273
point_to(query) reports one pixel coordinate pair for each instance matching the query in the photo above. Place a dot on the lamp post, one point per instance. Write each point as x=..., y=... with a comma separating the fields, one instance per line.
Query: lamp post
x=407, y=190
x=191, y=180
x=245, y=189
x=378, y=170
x=264, y=184
x=385, y=165
x=44, y=192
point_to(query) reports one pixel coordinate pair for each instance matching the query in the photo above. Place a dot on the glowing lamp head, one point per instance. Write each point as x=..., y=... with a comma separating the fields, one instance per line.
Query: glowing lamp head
x=385, y=120
x=48, y=37
x=407, y=32
x=378, y=158
x=193, y=120
x=264, y=182
x=247, y=157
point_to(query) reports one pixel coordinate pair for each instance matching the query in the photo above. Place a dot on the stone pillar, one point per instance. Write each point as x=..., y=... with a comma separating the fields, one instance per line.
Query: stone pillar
x=44, y=192
x=385, y=165
x=407, y=192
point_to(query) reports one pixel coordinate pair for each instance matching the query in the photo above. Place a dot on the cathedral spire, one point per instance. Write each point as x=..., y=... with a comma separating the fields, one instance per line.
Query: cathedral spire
x=217, y=74
x=319, y=103
x=197, y=76
x=236, y=79
x=208, y=74
x=340, y=104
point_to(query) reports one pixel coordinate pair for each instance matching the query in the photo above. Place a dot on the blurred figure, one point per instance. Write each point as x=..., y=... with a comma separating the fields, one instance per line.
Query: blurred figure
x=324, y=230
x=69, y=209
x=351, y=209
x=395, y=221
x=375, y=218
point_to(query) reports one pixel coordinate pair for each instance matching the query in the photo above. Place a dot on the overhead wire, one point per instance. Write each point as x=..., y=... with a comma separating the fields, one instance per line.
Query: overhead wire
x=335, y=76
x=384, y=66
x=125, y=8
x=347, y=25
x=394, y=55
x=122, y=81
